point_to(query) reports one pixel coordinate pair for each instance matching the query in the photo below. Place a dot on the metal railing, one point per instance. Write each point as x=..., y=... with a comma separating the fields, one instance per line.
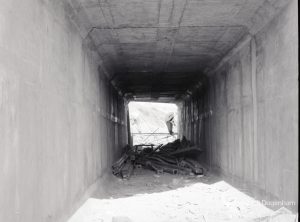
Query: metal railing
x=153, y=138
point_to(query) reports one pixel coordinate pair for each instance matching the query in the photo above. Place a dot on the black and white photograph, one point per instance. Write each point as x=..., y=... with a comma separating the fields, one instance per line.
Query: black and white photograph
x=149, y=111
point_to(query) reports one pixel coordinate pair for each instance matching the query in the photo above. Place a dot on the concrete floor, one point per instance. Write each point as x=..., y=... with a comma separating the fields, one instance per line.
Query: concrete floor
x=161, y=198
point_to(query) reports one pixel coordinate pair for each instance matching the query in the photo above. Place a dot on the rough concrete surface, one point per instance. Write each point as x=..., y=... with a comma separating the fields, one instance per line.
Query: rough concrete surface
x=68, y=67
x=158, y=39
x=53, y=108
x=251, y=135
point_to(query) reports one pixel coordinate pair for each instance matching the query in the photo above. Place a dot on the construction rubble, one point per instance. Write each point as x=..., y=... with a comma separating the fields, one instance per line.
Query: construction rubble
x=174, y=158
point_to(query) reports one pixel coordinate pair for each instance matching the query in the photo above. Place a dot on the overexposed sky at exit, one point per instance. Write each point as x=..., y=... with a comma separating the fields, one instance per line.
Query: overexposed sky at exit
x=149, y=117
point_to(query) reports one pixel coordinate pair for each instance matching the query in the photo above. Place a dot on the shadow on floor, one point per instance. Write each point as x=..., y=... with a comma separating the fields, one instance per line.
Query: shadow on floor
x=145, y=181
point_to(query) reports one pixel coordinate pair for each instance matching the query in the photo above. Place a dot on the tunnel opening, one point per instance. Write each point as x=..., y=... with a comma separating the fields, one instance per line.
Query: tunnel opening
x=156, y=145
x=71, y=70
x=149, y=123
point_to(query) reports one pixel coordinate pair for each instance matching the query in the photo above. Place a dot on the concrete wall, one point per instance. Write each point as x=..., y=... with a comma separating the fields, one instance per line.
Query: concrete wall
x=253, y=95
x=60, y=120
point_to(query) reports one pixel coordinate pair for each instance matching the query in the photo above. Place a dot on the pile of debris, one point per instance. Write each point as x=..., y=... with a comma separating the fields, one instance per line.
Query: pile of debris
x=174, y=158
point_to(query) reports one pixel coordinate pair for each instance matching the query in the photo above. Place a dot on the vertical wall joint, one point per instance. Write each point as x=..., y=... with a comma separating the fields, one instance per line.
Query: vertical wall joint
x=254, y=101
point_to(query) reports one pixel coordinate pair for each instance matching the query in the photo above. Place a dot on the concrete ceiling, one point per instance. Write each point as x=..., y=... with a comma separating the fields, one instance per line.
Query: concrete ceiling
x=159, y=48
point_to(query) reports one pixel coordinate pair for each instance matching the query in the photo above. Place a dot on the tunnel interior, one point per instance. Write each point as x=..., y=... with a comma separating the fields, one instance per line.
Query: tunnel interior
x=68, y=70
x=157, y=50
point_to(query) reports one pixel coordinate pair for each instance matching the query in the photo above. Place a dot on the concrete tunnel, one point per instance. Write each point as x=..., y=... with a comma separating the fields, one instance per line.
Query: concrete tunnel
x=69, y=68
